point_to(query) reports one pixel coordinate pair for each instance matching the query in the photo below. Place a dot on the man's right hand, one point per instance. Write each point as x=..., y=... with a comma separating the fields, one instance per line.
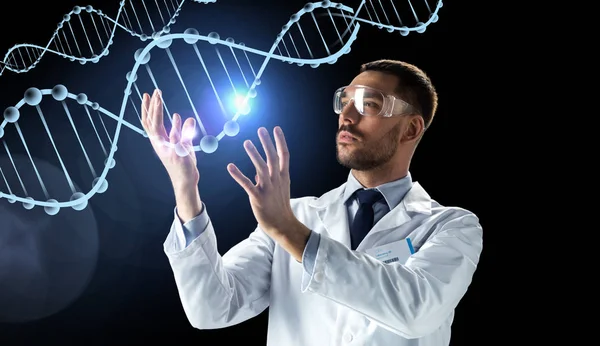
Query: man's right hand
x=176, y=153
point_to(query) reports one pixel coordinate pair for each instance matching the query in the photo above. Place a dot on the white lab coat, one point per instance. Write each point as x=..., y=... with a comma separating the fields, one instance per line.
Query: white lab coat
x=352, y=298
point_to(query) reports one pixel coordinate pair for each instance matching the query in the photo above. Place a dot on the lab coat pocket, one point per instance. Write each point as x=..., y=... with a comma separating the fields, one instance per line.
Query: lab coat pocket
x=398, y=251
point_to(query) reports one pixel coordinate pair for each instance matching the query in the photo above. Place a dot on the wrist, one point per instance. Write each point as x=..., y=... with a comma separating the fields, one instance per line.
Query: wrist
x=293, y=239
x=183, y=185
x=187, y=199
x=185, y=188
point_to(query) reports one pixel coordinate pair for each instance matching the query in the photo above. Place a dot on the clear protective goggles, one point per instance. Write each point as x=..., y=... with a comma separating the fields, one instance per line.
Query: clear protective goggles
x=369, y=101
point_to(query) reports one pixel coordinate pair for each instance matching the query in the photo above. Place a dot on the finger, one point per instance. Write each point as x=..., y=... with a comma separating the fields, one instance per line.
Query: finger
x=188, y=132
x=155, y=138
x=270, y=152
x=282, y=151
x=150, y=118
x=241, y=179
x=156, y=113
x=150, y=109
x=145, y=105
x=175, y=134
x=155, y=108
x=257, y=160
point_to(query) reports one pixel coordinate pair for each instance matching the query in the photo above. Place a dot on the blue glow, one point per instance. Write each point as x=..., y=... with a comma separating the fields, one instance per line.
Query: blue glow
x=241, y=104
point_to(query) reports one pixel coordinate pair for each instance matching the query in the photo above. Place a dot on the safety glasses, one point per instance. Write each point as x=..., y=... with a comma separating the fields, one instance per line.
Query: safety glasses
x=370, y=102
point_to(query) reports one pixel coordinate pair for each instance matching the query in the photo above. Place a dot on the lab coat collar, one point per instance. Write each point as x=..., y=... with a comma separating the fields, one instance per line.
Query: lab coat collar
x=416, y=199
x=393, y=192
x=333, y=213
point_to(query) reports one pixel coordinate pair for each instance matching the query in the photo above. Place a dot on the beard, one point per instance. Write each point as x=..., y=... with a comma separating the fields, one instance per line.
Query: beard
x=366, y=155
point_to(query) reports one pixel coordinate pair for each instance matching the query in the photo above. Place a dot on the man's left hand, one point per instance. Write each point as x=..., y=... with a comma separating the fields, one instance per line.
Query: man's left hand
x=270, y=195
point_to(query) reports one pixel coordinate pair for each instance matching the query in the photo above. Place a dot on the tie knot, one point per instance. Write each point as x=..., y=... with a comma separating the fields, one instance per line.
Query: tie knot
x=368, y=196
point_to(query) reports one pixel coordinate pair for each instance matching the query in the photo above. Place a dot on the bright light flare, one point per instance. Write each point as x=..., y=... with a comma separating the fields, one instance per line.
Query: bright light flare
x=241, y=104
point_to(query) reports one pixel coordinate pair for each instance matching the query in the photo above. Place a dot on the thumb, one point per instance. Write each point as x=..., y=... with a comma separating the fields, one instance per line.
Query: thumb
x=188, y=132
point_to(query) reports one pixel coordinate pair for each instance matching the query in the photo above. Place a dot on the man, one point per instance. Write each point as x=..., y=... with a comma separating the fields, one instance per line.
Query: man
x=309, y=259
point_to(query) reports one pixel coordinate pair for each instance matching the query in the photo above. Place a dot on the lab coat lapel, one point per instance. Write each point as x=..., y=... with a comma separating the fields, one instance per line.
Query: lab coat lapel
x=416, y=201
x=395, y=218
x=333, y=214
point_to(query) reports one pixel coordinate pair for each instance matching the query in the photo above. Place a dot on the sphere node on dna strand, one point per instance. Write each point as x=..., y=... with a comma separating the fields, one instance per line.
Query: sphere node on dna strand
x=85, y=33
x=211, y=79
x=33, y=97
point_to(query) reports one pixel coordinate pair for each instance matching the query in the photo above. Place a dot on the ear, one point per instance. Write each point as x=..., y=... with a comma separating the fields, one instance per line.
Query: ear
x=414, y=129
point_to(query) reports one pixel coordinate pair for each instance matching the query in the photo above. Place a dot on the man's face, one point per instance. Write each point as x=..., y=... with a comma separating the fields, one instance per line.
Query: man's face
x=374, y=139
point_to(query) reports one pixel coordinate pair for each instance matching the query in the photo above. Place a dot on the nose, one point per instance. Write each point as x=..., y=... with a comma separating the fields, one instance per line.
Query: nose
x=349, y=114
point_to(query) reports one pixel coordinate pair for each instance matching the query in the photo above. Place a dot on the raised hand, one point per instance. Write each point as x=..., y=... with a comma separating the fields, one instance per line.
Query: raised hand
x=270, y=195
x=175, y=149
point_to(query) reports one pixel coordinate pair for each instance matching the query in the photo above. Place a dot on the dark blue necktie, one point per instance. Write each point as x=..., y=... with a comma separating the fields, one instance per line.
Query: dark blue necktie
x=363, y=220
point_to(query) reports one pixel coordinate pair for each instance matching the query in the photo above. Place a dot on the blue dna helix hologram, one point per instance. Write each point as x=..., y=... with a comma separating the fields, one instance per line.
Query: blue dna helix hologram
x=285, y=49
x=145, y=19
x=23, y=57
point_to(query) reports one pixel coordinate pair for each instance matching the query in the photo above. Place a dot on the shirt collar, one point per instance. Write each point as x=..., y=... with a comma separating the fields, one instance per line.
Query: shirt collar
x=393, y=191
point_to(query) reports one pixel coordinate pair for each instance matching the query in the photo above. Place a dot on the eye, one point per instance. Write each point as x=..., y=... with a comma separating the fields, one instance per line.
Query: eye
x=371, y=104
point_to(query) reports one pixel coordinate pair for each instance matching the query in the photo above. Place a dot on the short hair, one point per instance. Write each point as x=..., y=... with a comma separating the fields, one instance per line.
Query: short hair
x=414, y=86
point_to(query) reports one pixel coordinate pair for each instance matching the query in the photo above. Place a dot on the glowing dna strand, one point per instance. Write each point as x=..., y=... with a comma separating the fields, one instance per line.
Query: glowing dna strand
x=86, y=33
x=292, y=46
x=386, y=15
